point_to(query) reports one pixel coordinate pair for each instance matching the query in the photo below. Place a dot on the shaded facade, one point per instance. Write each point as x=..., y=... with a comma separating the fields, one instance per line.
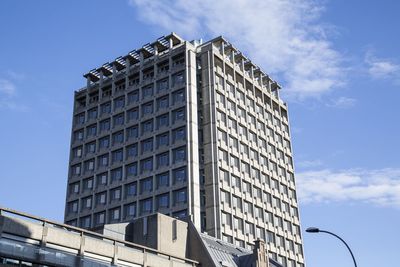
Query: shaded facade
x=186, y=129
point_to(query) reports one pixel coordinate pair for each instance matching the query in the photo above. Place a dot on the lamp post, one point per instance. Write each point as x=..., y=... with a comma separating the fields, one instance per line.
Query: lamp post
x=317, y=230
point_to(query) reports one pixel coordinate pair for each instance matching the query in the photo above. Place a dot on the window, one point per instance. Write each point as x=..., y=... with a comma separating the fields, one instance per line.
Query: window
x=162, y=102
x=180, y=196
x=88, y=184
x=104, y=142
x=117, y=156
x=85, y=222
x=147, y=145
x=119, y=102
x=226, y=219
x=92, y=113
x=179, y=154
x=102, y=179
x=178, y=79
x=132, y=132
x=74, y=188
x=131, y=151
x=237, y=203
x=105, y=125
x=223, y=155
x=225, y=197
x=101, y=198
x=118, y=138
x=163, y=160
x=162, y=120
x=133, y=97
x=131, y=190
x=91, y=130
x=132, y=114
x=77, y=152
x=179, y=175
x=90, y=147
x=248, y=208
x=80, y=119
x=236, y=181
x=118, y=120
x=99, y=218
x=162, y=85
x=237, y=224
x=105, y=108
x=146, y=165
x=73, y=206
x=146, y=206
x=116, y=175
x=130, y=210
x=178, y=115
x=147, y=91
x=179, y=134
x=162, y=179
x=221, y=117
x=178, y=97
x=162, y=139
x=163, y=201
x=87, y=203
x=131, y=170
x=76, y=169
x=115, y=214
x=78, y=135
x=147, y=126
x=249, y=227
x=115, y=194
x=89, y=165
x=147, y=108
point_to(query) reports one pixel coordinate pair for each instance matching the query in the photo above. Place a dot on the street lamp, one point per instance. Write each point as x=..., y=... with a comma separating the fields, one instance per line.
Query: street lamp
x=317, y=230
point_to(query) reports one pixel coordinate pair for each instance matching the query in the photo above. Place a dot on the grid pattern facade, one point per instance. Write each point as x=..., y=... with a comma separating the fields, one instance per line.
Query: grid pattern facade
x=129, y=154
x=249, y=177
x=184, y=129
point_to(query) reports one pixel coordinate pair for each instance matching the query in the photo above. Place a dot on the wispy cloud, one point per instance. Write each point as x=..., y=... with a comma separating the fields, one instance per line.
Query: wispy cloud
x=342, y=102
x=380, y=187
x=380, y=68
x=286, y=38
x=309, y=163
x=7, y=88
x=8, y=93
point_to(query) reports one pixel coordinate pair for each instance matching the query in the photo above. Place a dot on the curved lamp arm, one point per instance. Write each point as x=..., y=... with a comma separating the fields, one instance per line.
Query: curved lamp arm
x=316, y=230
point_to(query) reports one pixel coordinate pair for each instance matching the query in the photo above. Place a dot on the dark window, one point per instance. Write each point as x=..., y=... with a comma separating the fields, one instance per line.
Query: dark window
x=147, y=91
x=146, y=206
x=105, y=108
x=132, y=114
x=131, y=169
x=104, y=142
x=179, y=134
x=179, y=175
x=147, y=145
x=147, y=108
x=132, y=132
x=162, y=102
x=117, y=156
x=131, y=190
x=163, y=179
x=179, y=154
x=146, y=185
x=105, y=125
x=118, y=119
x=162, y=120
x=146, y=165
x=131, y=151
x=133, y=97
x=162, y=85
x=163, y=160
x=116, y=174
x=147, y=126
x=118, y=137
x=163, y=201
x=163, y=139
x=178, y=115
x=119, y=102
x=178, y=97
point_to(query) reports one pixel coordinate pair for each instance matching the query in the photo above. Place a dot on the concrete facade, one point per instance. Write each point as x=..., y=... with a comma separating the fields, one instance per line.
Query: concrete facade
x=186, y=129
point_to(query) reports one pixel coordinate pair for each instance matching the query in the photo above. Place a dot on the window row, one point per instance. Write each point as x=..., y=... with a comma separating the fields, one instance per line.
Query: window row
x=146, y=165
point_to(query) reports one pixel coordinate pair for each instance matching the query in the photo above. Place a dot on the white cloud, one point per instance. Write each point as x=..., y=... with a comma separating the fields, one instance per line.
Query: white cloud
x=342, y=102
x=8, y=93
x=309, y=163
x=7, y=88
x=380, y=187
x=286, y=38
x=380, y=68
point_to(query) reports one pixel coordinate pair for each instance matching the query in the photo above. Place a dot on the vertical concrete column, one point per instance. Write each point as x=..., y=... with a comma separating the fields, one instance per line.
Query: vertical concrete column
x=192, y=137
x=114, y=70
x=128, y=65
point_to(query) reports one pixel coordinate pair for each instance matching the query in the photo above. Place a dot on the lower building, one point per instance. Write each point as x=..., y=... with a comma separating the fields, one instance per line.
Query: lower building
x=156, y=241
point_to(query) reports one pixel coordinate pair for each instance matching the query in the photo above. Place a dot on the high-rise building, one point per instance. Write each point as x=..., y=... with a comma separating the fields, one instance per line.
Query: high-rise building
x=186, y=129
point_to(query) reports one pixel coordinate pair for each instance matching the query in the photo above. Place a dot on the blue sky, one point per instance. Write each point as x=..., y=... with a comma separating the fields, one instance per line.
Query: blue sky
x=337, y=61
